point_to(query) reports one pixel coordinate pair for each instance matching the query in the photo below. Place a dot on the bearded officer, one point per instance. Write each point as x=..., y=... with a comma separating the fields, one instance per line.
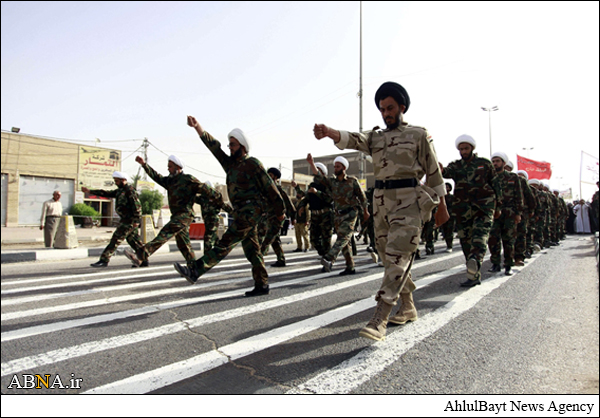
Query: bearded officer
x=402, y=155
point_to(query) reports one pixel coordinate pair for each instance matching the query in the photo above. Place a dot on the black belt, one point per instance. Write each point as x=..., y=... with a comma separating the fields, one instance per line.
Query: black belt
x=396, y=184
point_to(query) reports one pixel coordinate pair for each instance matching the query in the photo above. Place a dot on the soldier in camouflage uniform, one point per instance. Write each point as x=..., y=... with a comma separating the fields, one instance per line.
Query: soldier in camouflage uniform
x=429, y=234
x=562, y=216
x=210, y=216
x=302, y=222
x=129, y=208
x=551, y=240
x=540, y=218
x=504, y=228
x=181, y=191
x=402, y=155
x=270, y=231
x=347, y=196
x=477, y=193
x=250, y=190
x=320, y=204
x=448, y=227
x=523, y=240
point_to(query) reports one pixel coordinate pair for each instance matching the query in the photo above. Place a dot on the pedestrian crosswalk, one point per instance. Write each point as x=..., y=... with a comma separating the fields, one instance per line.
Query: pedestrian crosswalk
x=136, y=332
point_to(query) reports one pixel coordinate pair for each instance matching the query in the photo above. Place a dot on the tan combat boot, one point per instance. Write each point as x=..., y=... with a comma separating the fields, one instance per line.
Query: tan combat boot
x=407, y=311
x=376, y=327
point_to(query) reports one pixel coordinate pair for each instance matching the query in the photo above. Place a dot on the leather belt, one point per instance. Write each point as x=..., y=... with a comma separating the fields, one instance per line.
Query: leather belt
x=396, y=184
x=319, y=211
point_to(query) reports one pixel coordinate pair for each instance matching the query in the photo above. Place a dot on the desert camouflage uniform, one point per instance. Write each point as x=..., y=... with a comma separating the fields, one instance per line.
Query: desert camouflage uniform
x=269, y=229
x=403, y=153
x=347, y=197
x=250, y=190
x=181, y=191
x=477, y=193
x=210, y=216
x=524, y=243
x=504, y=228
x=129, y=208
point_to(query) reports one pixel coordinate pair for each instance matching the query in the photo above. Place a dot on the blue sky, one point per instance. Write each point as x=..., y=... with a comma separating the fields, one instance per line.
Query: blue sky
x=122, y=71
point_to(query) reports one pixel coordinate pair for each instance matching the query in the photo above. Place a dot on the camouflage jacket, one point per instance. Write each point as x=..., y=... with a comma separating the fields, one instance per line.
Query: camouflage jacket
x=402, y=153
x=247, y=179
x=302, y=212
x=544, y=203
x=182, y=190
x=529, y=198
x=346, y=193
x=512, y=193
x=475, y=183
x=127, y=202
x=212, y=207
x=290, y=209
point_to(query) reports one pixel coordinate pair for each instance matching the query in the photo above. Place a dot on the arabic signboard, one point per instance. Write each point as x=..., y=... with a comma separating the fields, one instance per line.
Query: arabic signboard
x=96, y=166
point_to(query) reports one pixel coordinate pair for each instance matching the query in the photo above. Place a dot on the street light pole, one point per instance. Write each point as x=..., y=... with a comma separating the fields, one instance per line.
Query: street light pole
x=490, y=110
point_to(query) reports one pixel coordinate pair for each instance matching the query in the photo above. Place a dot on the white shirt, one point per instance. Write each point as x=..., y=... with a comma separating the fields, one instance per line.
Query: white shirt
x=51, y=208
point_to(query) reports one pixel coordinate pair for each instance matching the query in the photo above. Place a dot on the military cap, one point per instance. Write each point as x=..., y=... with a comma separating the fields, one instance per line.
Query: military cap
x=396, y=91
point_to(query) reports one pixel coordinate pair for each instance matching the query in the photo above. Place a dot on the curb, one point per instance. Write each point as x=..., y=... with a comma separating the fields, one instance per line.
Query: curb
x=53, y=254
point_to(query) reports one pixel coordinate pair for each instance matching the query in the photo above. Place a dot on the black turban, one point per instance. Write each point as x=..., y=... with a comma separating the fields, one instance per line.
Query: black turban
x=275, y=172
x=394, y=90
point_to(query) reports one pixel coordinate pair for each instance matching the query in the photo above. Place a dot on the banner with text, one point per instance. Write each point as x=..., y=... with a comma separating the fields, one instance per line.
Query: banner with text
x=589, y=168
x=540, y=170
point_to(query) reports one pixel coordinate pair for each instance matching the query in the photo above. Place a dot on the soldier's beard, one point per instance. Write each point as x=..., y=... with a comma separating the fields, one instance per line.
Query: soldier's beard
x=397, y=121
x=467, y=157
x=237, y=154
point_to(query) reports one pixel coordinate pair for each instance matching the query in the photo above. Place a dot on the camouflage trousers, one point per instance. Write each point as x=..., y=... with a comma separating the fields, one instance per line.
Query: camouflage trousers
x=448, y=231
x=429, y=234
x=344, y=229
x=321, y=231
x=301, y=234
x=397, y=234
x=243, y=229
x=178, y=227
x=125, y=231
x=211, y=227
x=552, y=228
x=269, y=234
x=503, y=234
x=523, y=237
x=539, y=226
x=473, y=227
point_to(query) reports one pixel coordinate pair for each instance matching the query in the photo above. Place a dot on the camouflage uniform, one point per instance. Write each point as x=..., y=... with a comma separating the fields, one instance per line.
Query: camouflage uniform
x=369, y=225
x=129, y=208
x=321, y=217
x=553, y=222
x=270, y=228
x=210, y=216
x=181, y=190
x=541, y=218
x=477, y=193
x=250, y=190
x=401, y=157
x=523, y=243
x=429, y=234
x=347, y=196
x=448, y=227
x=504, y=228
x=302, y=219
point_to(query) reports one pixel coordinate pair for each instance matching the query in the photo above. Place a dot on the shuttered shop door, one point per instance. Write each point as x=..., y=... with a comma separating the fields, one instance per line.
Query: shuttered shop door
x=34, y=191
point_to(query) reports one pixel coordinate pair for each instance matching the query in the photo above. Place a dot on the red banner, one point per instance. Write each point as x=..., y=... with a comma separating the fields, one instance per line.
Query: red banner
x=535, y=169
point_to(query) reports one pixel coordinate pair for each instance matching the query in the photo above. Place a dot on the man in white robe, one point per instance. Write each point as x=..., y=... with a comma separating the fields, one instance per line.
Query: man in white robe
x=582, y=220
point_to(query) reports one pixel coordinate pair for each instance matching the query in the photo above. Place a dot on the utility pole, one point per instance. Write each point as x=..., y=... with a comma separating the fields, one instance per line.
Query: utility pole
x=361, y=156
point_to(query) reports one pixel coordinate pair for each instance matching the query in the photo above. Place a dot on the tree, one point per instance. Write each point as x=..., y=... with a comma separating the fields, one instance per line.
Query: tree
x=150, y=200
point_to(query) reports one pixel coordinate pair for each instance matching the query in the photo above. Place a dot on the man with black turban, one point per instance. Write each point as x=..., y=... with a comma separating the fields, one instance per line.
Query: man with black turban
x=402, y=155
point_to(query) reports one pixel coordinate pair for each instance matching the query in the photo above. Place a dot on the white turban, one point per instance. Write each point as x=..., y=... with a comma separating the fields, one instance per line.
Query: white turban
x=525, y=174
x=241, y=137
x=120, y=175
x=177, y=161
x=322, y=167
x=534, y=181
x=208, y=183
x=465, y=138
x=510, y=164
x=342, y=161
x=555, y=191
x=501, y=155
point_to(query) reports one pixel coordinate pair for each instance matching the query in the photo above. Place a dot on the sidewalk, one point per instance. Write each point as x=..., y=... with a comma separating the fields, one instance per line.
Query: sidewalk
x=20, y=244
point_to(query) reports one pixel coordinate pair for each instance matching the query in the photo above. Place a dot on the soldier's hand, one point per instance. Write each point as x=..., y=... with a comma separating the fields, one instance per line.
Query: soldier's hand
x=139, y=160
x=312, y=190
x=294, y=184
x=41, y=227
x=309, y=158
x=518, y=218
x=497, y=214
x=192, y=122
x=320, y=131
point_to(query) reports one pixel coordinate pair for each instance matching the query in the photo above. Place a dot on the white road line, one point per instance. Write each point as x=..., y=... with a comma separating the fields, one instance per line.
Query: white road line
x=353, y=372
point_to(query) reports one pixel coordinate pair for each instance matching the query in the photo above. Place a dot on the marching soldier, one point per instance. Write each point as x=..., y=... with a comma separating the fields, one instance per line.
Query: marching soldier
x=402, y=155
x=272, y=227
x=129, y=208
x=210, y=215
x=250, y=189
x=540, y=218
x=524, y=241
x=477, y=193
x=302, y=222
x=181, y=190
x=347, y=196
x=448, y=227
x=507, y=217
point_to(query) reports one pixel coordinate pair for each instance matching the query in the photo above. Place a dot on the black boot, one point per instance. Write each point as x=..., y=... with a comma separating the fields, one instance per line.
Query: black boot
x=258, y=290
x=100, y=264
x=495, y=268
x=191, y=275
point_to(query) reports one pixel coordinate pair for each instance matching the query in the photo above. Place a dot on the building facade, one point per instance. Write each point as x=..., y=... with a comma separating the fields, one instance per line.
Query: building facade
x=34, y=167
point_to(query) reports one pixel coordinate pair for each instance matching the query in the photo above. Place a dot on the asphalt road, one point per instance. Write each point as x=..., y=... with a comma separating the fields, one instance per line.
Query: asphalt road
x=127, y=331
